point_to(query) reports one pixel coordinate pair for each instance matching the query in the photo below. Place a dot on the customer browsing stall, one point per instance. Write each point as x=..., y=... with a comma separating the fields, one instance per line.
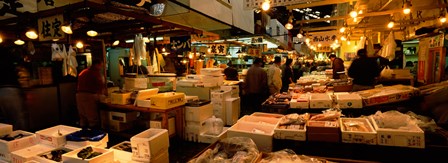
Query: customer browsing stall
x=91, y=88
x=337, y=65
x=287, y=75
x=363, y=70
x=275, y=76
x=255, y=85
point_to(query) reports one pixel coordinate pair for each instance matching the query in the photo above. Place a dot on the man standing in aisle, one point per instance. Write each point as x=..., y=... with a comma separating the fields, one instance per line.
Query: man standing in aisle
x=255, y=86
x=275, y=76
x=363, y=70
x=337, y=65
x=91, y=88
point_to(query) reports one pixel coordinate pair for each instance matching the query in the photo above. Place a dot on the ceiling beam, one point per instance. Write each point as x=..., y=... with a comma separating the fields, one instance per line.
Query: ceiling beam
x=315, y=4
x=371, y=14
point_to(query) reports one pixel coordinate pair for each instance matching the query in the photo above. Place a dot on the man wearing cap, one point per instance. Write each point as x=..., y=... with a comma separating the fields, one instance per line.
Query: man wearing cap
x=337, y=65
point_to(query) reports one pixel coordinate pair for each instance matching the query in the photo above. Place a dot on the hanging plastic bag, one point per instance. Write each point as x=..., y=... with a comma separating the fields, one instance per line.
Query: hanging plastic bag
x=64, y=61
x=362, y=43
x=55, y=52
x=214, y=126
x=72, y=63
x=386, y=73
x=388, y=50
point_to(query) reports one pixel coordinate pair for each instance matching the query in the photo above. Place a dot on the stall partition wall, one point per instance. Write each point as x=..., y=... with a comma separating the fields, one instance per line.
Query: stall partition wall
x=436, y=65
x=114, y=64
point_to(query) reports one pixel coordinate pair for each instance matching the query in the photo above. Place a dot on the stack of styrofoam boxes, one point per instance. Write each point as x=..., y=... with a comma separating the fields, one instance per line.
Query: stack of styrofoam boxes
x=120, y=121
x=361, y=137
x=151, y=144
x=412, y=137
x=212, y=77
x=235, y=89
x=232, y=110
x=320, y=101
x=349, y=100
x=7, y=147
x=259, y=129
x=190, y=81
x=218, y=99
x=195, y=118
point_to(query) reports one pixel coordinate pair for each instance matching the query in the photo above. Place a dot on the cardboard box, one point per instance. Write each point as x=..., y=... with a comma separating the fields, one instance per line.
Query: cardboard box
x=211, y=71
x=27, y=154
x=324, y=131
x=187, y=83
x=218, y=96
x=206, y=138
x=6, y=147
x=158, y=125
x=194, y=77
x=290, y=134
x=352, y=100
x=39, y=158
x=212, y=81
x=107, y=156
x=320, y=100
x=232, y=110
x=167, y=100
x=399, y=138
x=120, y=98
x=234, y=89
x=5, y=129
x=198, y=114
x=259, y=133
x=387, y=94
x=55, y=136
x=369, y=137
x=260, y=120
x=302, y=102
x=191, y=98
x=149, y=144
x=135, y=83
x=124, y=117
x=117, y=126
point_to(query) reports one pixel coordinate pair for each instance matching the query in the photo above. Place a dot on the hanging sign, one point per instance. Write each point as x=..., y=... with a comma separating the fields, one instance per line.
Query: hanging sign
x=423, y=50
x=436, y=41
x=180, y=44
x=13, y=6
x=217, y=49
x=323, y=49
x=254, y=52
x=49, y=4
x=50, y=28
x=251, y=4
x=323, y=38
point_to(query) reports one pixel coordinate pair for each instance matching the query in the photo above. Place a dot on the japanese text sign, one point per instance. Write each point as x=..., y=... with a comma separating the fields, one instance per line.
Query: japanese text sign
x=50, y=28
x=324, y=38
x=218, y=49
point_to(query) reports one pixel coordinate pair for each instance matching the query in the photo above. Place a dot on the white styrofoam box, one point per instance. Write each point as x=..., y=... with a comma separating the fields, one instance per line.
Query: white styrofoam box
x=232, y=110
x=221, y=95
x=143, y=103
x=187, y=83
x=268, y=115
x=218, y=104
x=198, y=114
x=55, y=136
x=206, y=138
x=399, y=138
x=107, y=156
x=27, y=154
x=352, y=100
x=302, y=102
x=149, y=144
x=211, y=81
x=78, y=144
x=194, y=77
x=191, y=98
x=260, y=134
x=260, y=120
x=128, y=116
x=158, y=124
x=235, y=89
x=369, y=137
x=167, y=100
x=126, y=157
x=211, y=72
x=135, y=83
x=6, y=147
x=5, y=129
x=120, y=98
x=220, y=112
x=320, y=100
x=41, y=159
x=195, y=127
x=290, y=134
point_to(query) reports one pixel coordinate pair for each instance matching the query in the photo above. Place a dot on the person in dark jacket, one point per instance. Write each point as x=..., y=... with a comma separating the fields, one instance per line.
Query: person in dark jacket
x=256, y=86
x=231, y=72
x=287, y=75
x=337, y=66
x=363, y=70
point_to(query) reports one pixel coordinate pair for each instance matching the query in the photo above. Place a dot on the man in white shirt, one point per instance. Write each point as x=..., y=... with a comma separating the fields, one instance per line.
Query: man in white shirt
x=275, y=76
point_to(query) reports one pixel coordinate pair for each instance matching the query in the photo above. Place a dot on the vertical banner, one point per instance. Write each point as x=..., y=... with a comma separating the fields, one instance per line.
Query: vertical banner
x=180, y=44
x=50, y=28
x=423, y=50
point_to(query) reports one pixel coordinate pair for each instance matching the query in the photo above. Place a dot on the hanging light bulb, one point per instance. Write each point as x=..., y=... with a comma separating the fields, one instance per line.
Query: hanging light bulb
x=79, y=45
x=265, y=6
x=116, y=42
x=407, y=7
x=288, y=26
x=19, y=42
x=92, y=33
x=319, y=45
x=163, y=49
x=342, y=30
x=343, y=38
x=299, y=35
x=209, y=50
x=55, y=40
x=307, y=40
x=348, y=42
x=353, y=14
x=67, y=29
x=1, y=39
x=442, y=19
x=391, y=24
x=31, y=34
x=190, y=55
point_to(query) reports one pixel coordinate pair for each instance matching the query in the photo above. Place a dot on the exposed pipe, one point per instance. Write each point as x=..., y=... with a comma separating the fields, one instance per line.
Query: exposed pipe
x=385, y=5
